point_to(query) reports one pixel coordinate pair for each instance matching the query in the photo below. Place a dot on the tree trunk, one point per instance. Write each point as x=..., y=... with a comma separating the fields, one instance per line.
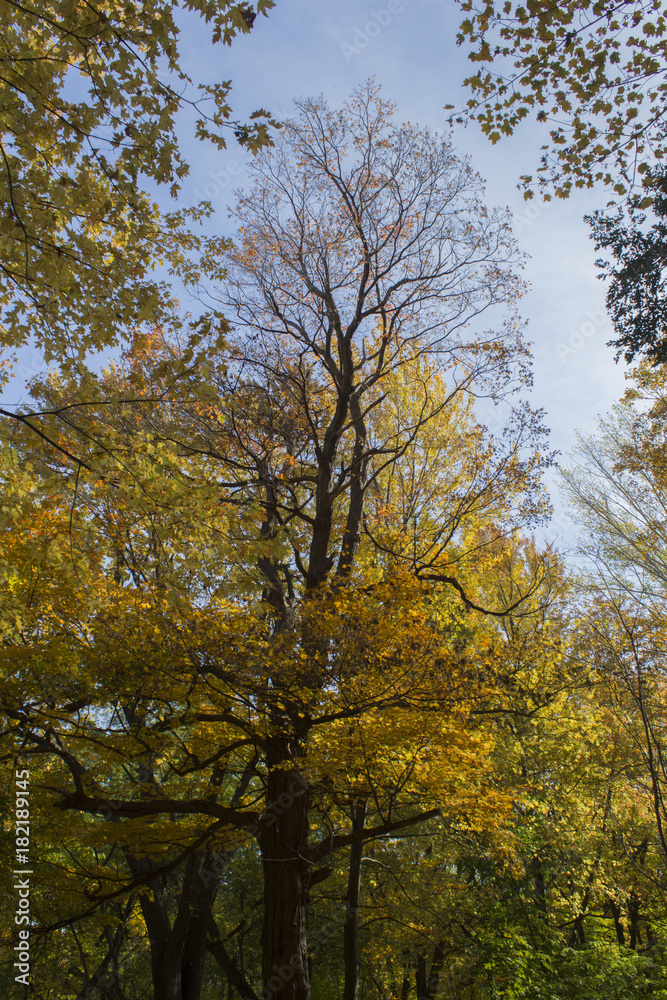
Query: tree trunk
x=178, y=949
x=234, y=973
x=284, y=844
x=351, y=928
x=165, y=967
x=540, y=890
x=194, y=949
x=427, y=983
x=633, y=920
x=165, y=959
x=105, y=982
x=436, y=968
x=615, y=911
x=420, y=977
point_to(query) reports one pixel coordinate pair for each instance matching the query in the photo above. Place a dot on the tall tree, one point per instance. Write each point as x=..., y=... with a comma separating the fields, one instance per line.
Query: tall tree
x=339, y=560
x=619, y=491
x=619, y=486
x=363, y=248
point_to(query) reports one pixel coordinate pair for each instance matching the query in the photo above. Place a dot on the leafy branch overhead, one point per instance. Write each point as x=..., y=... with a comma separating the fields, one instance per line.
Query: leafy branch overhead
x=88, y=99
x=636, y=299
x=594, y=72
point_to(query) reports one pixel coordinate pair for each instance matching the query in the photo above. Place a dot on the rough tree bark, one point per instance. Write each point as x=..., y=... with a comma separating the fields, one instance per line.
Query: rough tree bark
x=284, y=848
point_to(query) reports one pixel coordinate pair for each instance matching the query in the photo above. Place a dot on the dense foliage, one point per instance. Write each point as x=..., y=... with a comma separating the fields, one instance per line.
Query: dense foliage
x=636, y=291
x=292, y=702
x=89, y=94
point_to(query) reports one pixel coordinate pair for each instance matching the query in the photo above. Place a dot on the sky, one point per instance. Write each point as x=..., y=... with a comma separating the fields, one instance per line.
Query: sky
x=312, y=47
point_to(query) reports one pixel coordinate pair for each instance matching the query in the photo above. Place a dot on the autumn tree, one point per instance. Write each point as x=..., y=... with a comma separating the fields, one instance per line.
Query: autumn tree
x=289, y=555
x=532, y=908
x=108, y=631
x=363, y=248
x=618, y=492
x=89, y=99
x=618, y=483
x=593, y=71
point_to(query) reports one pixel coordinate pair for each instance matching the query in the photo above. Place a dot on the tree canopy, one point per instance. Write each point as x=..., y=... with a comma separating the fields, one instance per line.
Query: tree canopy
x=292, y=701
x=89, y=95
x=252, y=592
x=635, y=295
